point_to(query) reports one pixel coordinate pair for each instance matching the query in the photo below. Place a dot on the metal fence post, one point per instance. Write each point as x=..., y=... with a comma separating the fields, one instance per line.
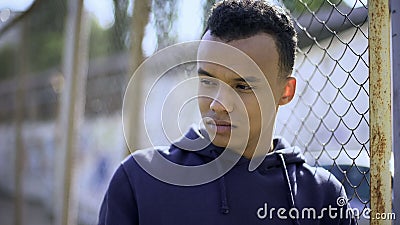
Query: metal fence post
x=141, y=12
x=395, y=10
x=20, y=105
x=380, y=108
x=75, y=64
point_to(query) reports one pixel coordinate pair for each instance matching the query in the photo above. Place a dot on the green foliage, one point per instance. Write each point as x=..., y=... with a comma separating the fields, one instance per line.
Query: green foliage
x=7, y=62
x=114, y=39
x=45, y=50
x=44, y=35
x=120, y=30
x=42, y=32
x=99, y=41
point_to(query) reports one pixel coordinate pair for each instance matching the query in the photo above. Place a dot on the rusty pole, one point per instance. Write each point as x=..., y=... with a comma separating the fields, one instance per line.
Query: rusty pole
x=380, y=108
x=395, y=8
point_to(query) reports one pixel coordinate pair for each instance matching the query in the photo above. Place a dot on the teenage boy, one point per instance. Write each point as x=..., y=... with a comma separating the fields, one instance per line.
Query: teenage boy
x=282, y=188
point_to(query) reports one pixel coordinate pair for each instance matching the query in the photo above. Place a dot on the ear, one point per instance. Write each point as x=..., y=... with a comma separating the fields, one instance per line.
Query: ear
x=289, y=89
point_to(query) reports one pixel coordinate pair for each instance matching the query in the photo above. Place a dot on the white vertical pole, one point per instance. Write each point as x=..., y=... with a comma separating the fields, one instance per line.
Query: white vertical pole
x=75, y=65
x=380, y=108
x=141, y=12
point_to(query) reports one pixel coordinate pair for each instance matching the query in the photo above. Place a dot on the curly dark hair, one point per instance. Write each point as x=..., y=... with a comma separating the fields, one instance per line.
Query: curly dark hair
x=238, y=19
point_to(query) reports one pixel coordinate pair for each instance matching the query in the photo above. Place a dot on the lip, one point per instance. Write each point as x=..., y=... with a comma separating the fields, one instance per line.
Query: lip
x=220, y=126
x=222, y=123
x=218, y=122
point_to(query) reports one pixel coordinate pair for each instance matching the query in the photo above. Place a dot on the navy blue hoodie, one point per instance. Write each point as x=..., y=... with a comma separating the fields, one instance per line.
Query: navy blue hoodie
x=282, y=190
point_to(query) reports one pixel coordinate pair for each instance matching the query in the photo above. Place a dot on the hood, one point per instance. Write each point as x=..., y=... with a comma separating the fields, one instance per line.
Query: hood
x=283, y=155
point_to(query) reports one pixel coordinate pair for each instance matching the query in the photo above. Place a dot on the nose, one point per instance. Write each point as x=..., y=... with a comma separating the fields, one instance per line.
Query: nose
x=223, y=101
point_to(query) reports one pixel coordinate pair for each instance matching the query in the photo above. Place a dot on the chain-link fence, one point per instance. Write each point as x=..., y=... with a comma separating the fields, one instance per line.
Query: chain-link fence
x=328, y=118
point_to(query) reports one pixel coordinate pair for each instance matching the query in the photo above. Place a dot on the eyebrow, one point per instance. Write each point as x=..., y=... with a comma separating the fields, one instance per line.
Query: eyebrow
x=201, y=71
x=250, y=79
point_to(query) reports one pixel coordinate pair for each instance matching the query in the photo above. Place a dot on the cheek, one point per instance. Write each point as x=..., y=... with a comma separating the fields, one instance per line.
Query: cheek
x=252, y=104
x=204, y=104
x=277, y=90
x=251, y=110
x=203, y=101
x=254, y=112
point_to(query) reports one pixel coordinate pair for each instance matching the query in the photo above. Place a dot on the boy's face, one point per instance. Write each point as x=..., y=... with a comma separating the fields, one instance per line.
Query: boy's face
x=230, y=104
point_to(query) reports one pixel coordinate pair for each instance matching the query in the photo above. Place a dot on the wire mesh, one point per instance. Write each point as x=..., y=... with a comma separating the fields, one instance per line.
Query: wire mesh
x=329, y=117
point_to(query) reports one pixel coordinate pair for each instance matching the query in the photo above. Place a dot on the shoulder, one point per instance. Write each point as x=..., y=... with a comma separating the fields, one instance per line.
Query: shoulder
x=139, y=159
x=327, y=192
x=321, y=175
x=150, y=156
x=318, y=178
x=155, y=164
x=145, y=155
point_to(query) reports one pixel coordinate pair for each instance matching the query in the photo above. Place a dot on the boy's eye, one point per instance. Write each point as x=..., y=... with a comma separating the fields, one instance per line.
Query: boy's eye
x=208, y=82
x=244, y=87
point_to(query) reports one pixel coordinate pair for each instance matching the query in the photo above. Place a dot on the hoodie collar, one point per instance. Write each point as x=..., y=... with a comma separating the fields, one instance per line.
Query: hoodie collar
x=205, y=148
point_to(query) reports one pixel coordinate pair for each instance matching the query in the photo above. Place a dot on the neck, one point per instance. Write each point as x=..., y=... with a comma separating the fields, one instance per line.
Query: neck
x=262, y=150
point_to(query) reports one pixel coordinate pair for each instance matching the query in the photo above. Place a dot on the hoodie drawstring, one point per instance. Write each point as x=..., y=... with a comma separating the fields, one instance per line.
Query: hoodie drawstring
x=287, y=179
x=224, y=199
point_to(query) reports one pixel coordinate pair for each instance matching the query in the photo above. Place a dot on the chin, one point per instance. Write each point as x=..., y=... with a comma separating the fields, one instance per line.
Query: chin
x=220, y=142
x=223, y=139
